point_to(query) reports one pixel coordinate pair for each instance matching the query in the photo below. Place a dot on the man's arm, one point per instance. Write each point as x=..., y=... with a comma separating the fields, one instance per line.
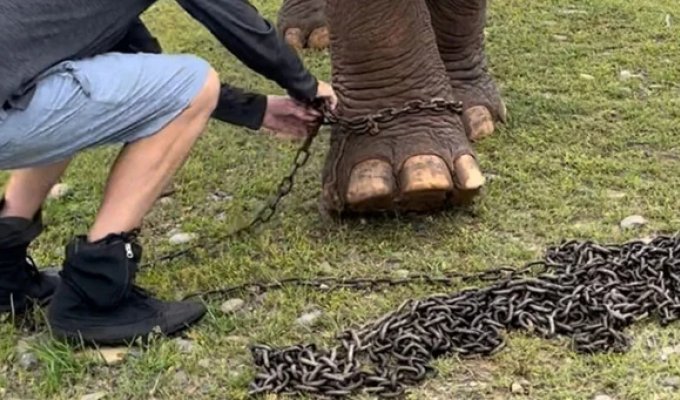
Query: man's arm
x=245, y=33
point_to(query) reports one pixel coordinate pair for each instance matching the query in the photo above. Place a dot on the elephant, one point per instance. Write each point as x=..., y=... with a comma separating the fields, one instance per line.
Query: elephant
x=388, y=53
x=303, y=23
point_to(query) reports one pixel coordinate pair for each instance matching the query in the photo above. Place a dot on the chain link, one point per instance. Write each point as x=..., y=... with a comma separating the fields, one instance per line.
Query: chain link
x=372, y=124
x=264, y=215
x=581, y=290
x=357, y=125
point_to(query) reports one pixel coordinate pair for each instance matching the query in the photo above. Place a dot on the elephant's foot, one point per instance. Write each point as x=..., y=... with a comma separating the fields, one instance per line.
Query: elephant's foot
x=459, y=27
x=375, y=173
x=303, y=24
x=385, y=56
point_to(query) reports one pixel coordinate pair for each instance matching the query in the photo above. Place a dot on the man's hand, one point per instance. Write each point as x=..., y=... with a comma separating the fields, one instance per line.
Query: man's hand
x=327, y=94
x=290, y=119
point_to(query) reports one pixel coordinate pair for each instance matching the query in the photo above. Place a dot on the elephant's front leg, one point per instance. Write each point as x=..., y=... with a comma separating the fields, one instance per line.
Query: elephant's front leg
x=384, y=54
x=303, y=23
x=459, y=26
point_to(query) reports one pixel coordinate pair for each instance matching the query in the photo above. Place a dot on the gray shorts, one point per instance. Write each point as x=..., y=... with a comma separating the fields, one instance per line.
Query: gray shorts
x=109, y=99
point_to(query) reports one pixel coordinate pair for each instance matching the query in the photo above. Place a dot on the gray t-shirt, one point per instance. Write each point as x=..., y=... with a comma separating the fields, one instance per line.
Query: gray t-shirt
x=38, y=34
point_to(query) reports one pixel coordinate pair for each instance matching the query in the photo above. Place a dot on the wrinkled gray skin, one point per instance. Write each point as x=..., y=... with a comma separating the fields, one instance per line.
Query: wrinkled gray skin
x=387, y=52
x=459, y=28
x=381, y=65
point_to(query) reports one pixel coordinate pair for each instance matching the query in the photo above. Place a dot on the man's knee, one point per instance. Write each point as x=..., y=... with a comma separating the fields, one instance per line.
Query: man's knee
x=206, y=100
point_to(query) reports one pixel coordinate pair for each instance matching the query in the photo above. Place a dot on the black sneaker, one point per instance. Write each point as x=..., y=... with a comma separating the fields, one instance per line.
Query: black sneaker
x=97, y=301
x=22, y=285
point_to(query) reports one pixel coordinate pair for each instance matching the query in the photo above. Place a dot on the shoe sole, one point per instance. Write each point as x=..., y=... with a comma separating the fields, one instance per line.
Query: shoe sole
x=101, y=336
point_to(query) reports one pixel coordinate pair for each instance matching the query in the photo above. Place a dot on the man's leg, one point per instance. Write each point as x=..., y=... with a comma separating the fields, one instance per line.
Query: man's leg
x=158, y=105
x=145, y=167
x=27, y=189
x=21, y=284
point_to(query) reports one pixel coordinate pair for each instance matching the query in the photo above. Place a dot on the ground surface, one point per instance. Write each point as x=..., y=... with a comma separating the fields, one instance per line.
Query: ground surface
x=593, y=88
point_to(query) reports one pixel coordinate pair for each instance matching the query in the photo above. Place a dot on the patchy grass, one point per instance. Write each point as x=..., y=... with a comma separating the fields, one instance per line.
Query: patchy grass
x=571, y=141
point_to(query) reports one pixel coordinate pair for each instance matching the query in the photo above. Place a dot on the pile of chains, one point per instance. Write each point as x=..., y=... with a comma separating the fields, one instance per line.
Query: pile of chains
x=366, y=124
x=581, y=290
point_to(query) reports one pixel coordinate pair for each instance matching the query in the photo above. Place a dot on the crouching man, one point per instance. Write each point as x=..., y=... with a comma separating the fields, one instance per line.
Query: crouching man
x=65, y=89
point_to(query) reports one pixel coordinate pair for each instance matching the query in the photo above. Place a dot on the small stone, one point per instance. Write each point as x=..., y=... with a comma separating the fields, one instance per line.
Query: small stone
x=181, y=378
x=182, y=238
x=232, y=305
x=114, y=356
x=59, y=190
x=94, y=396
x=602, y=397
x=402, y=273
x=166, y=201
x=185, y=346
x=204, y=363
x=219, y=195
x=587, y=77
x=615, y=195
x=571, y=11
x=517, y=388
x=633, y=221
x=28, y=361
x=671, y=382
x=241, y=340
x=326, y=267
x=309, y=318
x=669, y=351
x=561, y=38
x=625, y=75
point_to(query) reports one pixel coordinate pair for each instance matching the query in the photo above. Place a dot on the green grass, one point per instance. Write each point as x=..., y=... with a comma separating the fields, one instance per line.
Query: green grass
x=569, y=142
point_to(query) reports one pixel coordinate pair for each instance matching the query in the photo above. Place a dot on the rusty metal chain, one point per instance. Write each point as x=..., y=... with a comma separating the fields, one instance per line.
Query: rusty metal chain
x=581, y=290
x=357, y=125
x=264, y=215
x=372, y=124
